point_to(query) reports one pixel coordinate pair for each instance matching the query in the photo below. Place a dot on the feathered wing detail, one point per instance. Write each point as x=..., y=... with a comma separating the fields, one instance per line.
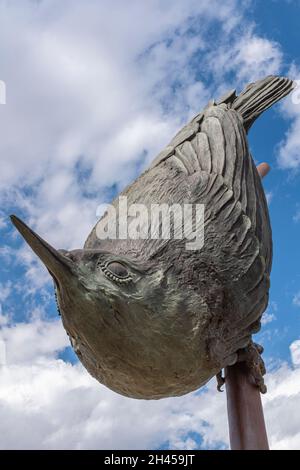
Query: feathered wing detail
x=212, y=150
x=211, y=154
x=235, y=201
x=259, y=96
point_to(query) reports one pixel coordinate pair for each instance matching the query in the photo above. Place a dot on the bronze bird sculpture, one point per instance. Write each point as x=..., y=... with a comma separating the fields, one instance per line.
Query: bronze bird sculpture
x=148, y=317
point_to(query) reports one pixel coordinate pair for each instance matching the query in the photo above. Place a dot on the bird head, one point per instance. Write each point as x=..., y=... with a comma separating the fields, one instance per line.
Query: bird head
x=121, y=314
x=113, y=283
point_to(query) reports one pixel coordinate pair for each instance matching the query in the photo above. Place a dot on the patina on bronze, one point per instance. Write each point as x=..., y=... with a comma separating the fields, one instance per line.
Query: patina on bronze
x=151, y=319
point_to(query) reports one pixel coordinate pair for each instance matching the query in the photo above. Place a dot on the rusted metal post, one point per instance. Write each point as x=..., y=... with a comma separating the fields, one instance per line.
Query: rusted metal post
x=247, y=429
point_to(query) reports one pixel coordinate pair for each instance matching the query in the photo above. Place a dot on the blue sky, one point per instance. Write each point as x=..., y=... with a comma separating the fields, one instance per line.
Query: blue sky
x=94, y=91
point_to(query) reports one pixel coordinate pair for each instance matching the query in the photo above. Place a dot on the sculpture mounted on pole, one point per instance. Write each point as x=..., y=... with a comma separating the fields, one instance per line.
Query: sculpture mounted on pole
x=150, y=318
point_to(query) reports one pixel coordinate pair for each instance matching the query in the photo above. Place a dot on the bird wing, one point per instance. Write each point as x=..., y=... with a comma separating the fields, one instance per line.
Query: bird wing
x=212, y=150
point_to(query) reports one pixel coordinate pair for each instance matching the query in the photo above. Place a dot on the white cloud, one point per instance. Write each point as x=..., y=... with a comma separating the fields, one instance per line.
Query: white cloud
x=3, y=222
x=46, y=403
x=295, y=352
x=296, y=217
x=38, y=339
x=258, y=57
x=296, y=299
x=289, y=153
x=269, y=314
x=89, y=91
x=59, y=406
x=250, y=57
x=267, y=318
x=3, y=318
x=289, y=149
x=88, y=95
x=281, y=407
x=5, y=290
x=269, y=197
x=6, y=253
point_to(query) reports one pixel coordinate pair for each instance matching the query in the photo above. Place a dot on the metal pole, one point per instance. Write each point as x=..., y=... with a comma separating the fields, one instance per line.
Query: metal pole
x=247, y=429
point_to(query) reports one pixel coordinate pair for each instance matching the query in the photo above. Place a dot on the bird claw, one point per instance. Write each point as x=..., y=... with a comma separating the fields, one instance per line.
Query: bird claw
x=251, y=355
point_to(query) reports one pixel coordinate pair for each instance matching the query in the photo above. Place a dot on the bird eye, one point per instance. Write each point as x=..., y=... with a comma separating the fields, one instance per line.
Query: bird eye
x=116, y=271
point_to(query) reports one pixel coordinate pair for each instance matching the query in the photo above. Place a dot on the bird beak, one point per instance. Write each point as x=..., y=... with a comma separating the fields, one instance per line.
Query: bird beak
x=60, y=267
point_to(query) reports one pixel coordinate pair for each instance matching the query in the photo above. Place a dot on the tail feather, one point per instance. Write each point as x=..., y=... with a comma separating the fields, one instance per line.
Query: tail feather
x=259, y=96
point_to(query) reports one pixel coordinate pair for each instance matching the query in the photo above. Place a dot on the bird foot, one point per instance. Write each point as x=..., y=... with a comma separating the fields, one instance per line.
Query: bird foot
x=251, y=355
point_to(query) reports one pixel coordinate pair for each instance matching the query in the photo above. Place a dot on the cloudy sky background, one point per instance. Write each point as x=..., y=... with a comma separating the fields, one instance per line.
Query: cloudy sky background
x=95, y=89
